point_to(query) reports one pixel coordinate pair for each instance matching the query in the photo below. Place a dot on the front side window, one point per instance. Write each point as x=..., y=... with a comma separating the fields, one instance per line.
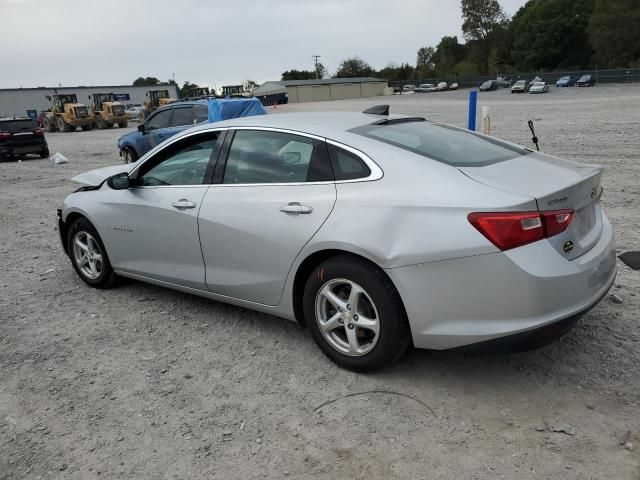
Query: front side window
x=181, y=116
x=184, y=163
x=258, y=156
x=159, y=120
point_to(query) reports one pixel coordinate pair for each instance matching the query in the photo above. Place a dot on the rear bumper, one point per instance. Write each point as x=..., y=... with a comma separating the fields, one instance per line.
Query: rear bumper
x=9, y=149
x=464, y=301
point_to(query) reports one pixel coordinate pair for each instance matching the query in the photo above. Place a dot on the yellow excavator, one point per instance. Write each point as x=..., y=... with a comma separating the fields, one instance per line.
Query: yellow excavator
x=66, y=114
x=108, y=112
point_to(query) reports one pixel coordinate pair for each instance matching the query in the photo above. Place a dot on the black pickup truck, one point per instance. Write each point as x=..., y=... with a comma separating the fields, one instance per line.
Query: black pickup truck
x=21, y=136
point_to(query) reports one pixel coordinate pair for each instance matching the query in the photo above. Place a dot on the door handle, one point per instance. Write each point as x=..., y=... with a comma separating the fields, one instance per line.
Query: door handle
x=184, y=203
x=295, y=207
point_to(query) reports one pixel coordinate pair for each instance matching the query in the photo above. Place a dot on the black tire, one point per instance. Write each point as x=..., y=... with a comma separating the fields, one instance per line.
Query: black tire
x=100, y=123
x=107, y=276
x=129, y=155
x=86, y=128
x=394, y=333
x=124, y=124
x=48, y=125
x=44, y=153
x=64, y=126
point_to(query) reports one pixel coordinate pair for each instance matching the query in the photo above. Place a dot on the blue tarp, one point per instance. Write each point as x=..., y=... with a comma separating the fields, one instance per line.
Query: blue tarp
x=227, y=108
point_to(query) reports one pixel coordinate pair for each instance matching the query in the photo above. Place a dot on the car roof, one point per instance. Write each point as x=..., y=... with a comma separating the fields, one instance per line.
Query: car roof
x=330, y=124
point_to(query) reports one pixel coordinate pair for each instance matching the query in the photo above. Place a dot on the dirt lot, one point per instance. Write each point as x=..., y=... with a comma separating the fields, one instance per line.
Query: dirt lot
x=143, y=382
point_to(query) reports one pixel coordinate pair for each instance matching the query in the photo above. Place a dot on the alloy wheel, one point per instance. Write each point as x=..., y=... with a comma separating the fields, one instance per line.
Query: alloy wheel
x=88, y=255
x=347, y=317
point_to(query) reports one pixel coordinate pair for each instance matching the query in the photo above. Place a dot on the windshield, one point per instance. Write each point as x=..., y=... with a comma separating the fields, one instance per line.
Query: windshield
x=565, y=78
x=584, y=78
x=443, y=143
x=538, y=84
x=521, y=82
x=486, y=84
x=17, y=125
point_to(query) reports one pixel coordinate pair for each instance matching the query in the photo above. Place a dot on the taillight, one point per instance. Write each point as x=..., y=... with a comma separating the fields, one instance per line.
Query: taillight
x=5, y=135
x=38, y=131
x=508, y=230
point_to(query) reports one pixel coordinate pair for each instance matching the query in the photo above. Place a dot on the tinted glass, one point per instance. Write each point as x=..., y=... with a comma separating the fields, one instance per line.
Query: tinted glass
x=182, y=116
x=201, y=113
x=15, y=126
x=274, y=157
x=185, y=164
x=159, y=120
x=346, y=165
x=443, y=143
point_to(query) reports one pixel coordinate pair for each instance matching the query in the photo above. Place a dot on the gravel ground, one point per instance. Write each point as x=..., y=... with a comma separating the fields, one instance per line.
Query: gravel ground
x=144, y=382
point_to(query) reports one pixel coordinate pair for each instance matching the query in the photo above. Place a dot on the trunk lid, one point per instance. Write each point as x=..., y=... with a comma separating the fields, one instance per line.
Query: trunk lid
x=555, y=184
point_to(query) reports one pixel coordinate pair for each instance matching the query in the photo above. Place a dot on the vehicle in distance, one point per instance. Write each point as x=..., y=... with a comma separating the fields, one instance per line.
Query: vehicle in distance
x=21, y=136
x=585, y=81
x=453, y=86
x=377, y=232
x=426, y=88
x=136, y=112
x=167, y=121
x=519, y=87
x=443, y=86
x=566, y=81
x=408, y=88
x=504, y=82
x=488, y=86
x=539, y=87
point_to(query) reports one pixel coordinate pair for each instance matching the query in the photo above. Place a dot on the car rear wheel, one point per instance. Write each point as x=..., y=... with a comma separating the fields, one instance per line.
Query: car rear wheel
x=129, y=155
x=49, y=126
x=64, y=126
x=355, y=314
x=87, y=127
x=88, y=255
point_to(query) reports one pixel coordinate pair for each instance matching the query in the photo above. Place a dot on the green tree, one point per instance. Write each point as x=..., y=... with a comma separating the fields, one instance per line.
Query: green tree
x=614, y=32
x=395, y=72
x=481, y=17
x=298, y=75
x=550, y=34
x=186, y=89
x=353, y=67
x=448, y=54
x=321, y=70
x=143, y=81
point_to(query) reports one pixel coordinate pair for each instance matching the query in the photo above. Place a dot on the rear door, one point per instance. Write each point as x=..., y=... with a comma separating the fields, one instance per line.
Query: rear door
x=274, y=194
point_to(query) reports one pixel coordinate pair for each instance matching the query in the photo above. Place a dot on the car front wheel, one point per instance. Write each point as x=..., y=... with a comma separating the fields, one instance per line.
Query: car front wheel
x=355, y=314
x=88, y=255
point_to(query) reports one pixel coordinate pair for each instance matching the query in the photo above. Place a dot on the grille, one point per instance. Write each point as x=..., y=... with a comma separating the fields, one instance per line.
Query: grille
x=81, y=112
x=118, y=110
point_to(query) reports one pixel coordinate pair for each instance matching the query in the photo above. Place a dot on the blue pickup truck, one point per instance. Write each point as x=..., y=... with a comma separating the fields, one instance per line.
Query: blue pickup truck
x=171, y=119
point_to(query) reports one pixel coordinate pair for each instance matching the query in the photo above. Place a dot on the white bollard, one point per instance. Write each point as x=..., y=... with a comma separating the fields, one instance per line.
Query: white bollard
x=486, y=120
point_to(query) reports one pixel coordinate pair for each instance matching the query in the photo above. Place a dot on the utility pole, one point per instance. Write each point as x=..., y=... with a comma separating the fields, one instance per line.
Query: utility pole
x=315, y=61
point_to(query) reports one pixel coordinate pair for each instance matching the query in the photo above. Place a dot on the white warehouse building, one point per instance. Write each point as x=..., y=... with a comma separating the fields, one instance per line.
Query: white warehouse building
x=16, y=101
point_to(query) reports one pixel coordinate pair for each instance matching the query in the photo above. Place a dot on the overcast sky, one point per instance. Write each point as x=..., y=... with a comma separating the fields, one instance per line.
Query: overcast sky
x=216, y=42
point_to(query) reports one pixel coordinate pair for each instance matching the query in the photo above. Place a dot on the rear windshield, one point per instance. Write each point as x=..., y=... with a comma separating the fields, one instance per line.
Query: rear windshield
x=453, y=146
x=15, y=126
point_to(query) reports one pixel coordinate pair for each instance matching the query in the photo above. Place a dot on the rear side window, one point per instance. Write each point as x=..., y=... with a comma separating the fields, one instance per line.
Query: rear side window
x=159, y=120
x=200, y=113
x=182, y=116
x=346, y=165
x=445, y=144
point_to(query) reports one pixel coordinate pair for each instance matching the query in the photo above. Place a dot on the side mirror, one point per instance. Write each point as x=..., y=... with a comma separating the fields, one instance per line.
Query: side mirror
x=119, y=181
x=141, y=128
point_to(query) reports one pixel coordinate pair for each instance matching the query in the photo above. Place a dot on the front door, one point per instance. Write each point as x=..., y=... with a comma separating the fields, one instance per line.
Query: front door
x=276, y=192
x=151, y=229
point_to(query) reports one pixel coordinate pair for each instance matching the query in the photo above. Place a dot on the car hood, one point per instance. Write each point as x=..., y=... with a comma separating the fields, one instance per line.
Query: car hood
x=93, y=178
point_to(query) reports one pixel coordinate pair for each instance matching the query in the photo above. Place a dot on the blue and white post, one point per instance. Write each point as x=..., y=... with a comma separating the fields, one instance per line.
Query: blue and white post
x=473, y=105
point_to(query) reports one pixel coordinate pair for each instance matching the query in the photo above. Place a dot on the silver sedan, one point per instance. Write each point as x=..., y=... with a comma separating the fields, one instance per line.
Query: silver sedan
x=376, y=231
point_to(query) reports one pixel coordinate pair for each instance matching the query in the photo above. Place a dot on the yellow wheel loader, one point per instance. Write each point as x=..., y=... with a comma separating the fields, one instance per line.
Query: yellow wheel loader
x=157, y=98
x=108, y=112
x=66, y=114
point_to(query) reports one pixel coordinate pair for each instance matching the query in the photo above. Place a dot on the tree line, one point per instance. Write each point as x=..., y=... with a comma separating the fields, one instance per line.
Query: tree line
x=543, y=34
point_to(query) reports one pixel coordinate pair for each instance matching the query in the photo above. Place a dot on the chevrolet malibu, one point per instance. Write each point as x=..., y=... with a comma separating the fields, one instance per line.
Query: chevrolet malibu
x=376, y=231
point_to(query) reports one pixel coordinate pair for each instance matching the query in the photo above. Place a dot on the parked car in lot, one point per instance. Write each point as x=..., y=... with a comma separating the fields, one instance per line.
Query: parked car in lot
x=136, y=112
x=375, y=231
x=426, y=88
x=532, y=81
x=567, y=81
x=519, y=87
x=453, y=86
x=539, y=87
x=488, y=86
x=408, y=88
x=21, y=136
x=171, y=119
x=443, y=86
x=504, y=82
x=585, y=81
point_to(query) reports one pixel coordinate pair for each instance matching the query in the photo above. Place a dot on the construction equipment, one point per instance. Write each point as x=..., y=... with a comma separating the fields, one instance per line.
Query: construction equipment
x=198, y=93
x=66, y=114
x=108, y=112
x=157, y=98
